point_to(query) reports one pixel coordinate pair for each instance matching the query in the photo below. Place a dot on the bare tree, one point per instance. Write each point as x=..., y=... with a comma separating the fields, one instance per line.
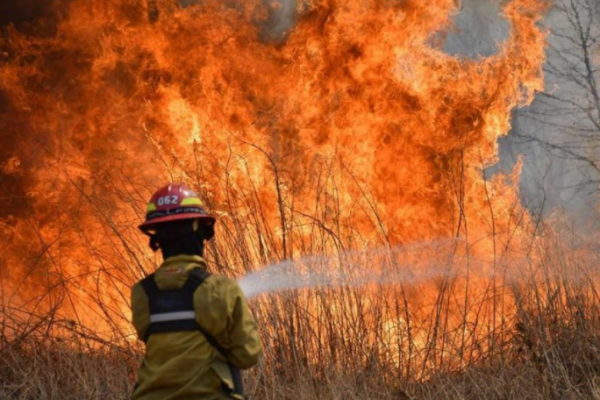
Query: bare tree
x=564, y=122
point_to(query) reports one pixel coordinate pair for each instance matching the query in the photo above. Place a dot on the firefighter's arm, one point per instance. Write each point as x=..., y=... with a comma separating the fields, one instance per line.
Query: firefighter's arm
x=140, y=310
x=229, y=319
x=245, y=345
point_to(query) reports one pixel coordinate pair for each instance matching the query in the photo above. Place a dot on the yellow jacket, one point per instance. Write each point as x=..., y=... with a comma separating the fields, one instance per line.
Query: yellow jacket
x=183, y=365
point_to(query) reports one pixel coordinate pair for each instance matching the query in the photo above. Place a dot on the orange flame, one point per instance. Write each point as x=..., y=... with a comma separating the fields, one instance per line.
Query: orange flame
x=354, y=130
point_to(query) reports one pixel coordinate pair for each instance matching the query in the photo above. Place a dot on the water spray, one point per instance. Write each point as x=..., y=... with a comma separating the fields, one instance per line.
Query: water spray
x=411, y=264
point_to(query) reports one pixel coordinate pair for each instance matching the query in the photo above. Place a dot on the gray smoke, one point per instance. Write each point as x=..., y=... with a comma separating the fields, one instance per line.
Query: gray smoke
x=558, y=136
x=282, y=18
x=479, y=28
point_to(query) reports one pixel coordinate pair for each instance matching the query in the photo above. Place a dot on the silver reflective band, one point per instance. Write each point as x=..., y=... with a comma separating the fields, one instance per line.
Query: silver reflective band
x=172, y=316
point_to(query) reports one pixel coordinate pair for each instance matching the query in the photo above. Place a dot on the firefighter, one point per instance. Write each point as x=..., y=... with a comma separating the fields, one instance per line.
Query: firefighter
x=198, y=329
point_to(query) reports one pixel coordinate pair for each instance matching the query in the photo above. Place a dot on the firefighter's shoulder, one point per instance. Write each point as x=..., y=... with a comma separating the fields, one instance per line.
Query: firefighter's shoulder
x=223, y=286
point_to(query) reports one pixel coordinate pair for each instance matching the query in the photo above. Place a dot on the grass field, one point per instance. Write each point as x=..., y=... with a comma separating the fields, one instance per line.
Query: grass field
x=543, y=344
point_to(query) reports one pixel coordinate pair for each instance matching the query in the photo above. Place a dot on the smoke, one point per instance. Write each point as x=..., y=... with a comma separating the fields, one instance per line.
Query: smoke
x=479, y=29
x=282, y=18
x=277, y=19
x=554, y=136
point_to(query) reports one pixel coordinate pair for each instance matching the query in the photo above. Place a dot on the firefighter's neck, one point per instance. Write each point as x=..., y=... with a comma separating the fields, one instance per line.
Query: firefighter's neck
x=185, y=259
x=190, y=246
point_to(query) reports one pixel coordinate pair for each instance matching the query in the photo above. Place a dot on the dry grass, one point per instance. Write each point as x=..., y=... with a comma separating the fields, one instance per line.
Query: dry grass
x=505, y=316
x=547, y=348
x=51, y=368
x=547, y=360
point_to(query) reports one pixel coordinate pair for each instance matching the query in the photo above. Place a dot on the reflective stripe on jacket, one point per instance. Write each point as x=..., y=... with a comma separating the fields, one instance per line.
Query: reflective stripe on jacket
x=183, y=365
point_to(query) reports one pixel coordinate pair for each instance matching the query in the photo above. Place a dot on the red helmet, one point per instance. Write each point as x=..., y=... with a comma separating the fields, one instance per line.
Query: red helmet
x=172, y=203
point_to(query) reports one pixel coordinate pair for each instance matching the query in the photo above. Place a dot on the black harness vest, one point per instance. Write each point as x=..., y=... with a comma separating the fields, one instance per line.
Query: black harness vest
x=172, y=310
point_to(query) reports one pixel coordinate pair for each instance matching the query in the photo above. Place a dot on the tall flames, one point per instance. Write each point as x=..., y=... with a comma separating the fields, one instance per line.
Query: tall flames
x=351, y=130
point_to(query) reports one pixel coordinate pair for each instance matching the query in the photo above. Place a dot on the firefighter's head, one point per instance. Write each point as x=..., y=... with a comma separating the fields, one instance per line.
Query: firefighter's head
x=177, y=222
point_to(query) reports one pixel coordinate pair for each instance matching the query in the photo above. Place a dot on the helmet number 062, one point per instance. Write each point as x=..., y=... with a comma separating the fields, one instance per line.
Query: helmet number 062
x=168, y=200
